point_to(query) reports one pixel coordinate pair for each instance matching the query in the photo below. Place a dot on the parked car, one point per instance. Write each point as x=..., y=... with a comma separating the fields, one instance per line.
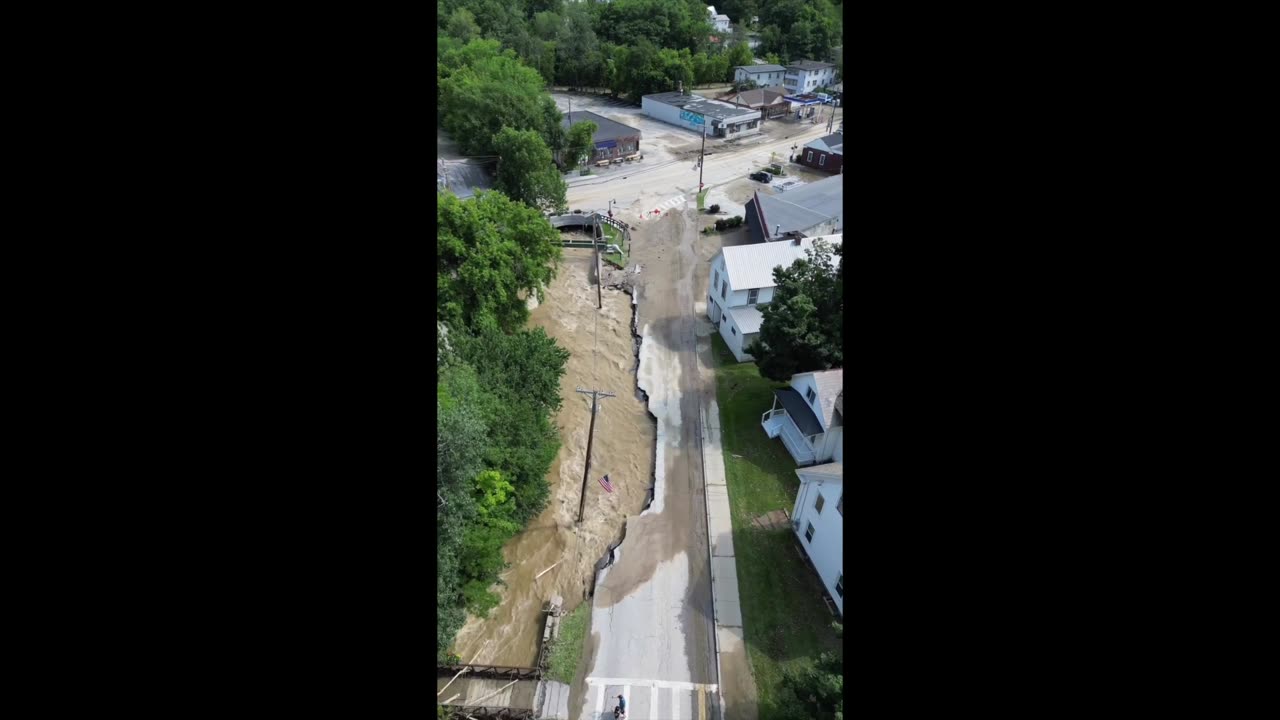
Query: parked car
x=762, y=176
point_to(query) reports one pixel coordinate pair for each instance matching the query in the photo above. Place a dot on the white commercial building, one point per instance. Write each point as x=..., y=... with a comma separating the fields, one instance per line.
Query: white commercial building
x=715, y=118
x=807, y=76
x=762, y=75
x=742, y=282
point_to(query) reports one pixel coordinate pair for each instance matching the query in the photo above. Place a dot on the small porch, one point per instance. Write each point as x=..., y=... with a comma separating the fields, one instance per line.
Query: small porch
x=791, y=419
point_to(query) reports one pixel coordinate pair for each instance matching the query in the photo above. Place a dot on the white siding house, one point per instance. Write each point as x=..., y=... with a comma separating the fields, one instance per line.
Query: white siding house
x=807, y=76
x=764, y=75
x=742, y=281
x=718, y=21
x=818, y=520
x=808, y=416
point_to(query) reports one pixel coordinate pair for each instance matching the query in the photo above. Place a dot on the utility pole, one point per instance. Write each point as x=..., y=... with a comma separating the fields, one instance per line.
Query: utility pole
x=702, y=160
x=586, y=473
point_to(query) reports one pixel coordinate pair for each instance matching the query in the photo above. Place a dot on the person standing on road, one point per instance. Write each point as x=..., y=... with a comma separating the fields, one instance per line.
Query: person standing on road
x=621, y=710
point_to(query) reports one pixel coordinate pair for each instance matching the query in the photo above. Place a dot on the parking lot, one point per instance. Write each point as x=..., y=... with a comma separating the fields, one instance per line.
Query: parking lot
x=669, y=168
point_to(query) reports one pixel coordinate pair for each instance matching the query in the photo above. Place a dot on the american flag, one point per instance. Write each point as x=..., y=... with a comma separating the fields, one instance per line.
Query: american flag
x=608, y=487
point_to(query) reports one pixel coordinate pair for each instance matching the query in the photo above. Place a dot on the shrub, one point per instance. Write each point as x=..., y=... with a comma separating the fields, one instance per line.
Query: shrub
x=735, y=221
x=713, y=209
x=720, y=224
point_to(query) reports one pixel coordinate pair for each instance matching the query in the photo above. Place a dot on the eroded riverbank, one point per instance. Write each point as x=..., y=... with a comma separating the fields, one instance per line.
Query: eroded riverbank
x=602, y=356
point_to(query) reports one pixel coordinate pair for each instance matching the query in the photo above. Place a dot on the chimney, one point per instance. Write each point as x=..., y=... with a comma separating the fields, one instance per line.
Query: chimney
x=795, y=240
x=777, y=230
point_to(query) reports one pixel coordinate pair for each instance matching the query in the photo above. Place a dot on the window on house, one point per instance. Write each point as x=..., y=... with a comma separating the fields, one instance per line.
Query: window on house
x=808, y=534
x=840, y=505
x=810, y=395
x=752, y=295
x=840, y=585
x=724, y=285
x=733, y=330
x=810, y=158
x=822, y=160
x=817, y=505
x=715, y=278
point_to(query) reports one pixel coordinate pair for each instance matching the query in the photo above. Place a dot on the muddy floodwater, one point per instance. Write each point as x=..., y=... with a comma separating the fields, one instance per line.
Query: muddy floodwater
x=602, y=356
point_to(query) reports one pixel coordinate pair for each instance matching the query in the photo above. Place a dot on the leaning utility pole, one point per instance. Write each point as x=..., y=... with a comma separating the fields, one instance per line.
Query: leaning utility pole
x=586, y=473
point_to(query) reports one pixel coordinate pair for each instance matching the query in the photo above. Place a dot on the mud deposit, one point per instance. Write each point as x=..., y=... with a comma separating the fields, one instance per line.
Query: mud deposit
x=623, y=448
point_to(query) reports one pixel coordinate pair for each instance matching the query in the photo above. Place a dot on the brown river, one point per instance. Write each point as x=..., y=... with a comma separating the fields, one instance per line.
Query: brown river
x=603, y=357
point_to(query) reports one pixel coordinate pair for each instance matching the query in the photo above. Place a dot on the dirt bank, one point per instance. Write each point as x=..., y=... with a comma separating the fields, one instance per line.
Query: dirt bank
x=623, y=448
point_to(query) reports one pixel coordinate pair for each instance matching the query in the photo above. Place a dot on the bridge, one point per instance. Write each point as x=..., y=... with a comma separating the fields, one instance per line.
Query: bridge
x=504, y=692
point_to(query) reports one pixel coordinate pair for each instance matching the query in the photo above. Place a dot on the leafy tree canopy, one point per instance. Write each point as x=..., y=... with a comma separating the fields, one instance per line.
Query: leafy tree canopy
x=802, y=327
x=490, y=251
x=525, y=172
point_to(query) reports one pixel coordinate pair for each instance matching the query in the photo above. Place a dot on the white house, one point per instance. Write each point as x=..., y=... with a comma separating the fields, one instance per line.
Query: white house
x=818, y=520
x=742, y=281
x=807, y=416
x=718, y=21
x=763, y=75
x=807, y=76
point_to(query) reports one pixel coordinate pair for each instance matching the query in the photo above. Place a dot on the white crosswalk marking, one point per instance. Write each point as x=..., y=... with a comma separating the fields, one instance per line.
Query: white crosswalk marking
x=600, y=699
x=653, y=702
x=675, y=704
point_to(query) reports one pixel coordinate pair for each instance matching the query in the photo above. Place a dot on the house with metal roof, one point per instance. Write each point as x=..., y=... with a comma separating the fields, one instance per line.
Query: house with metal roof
x=804, y=416
x=812, y=209
x=611, y=140
x=741, y=282
x=825, y=153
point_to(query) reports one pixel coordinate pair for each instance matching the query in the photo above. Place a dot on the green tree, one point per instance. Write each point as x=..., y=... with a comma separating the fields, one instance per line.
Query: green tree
x=579, y=144
x=483, y=90
x=815, y=690
x=581, y=61
x=739, y=54
x=462, y=25
x=491, y=253
x=525, y=172
x=460, y=444
x=801, y=330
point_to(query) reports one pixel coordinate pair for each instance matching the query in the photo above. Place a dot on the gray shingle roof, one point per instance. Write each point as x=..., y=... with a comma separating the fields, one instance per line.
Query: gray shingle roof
x=805, y=206
x=831, y=143
x=760, y=97
x=810, y=65
x=830, y=386
x=753, y=69
x=606, y=129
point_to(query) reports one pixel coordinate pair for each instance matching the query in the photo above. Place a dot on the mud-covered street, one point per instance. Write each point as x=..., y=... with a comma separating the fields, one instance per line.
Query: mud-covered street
x=602, y=356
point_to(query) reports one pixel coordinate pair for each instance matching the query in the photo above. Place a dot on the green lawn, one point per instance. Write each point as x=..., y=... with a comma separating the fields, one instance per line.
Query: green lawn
x=566, y=653
x=614, y=236
x=702, y=197
x=786, y=622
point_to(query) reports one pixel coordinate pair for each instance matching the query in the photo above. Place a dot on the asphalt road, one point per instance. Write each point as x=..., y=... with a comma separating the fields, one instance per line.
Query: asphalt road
x=652, y=629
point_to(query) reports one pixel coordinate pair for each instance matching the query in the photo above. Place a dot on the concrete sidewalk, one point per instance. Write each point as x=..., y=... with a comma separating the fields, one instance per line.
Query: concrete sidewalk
x=737, y=685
